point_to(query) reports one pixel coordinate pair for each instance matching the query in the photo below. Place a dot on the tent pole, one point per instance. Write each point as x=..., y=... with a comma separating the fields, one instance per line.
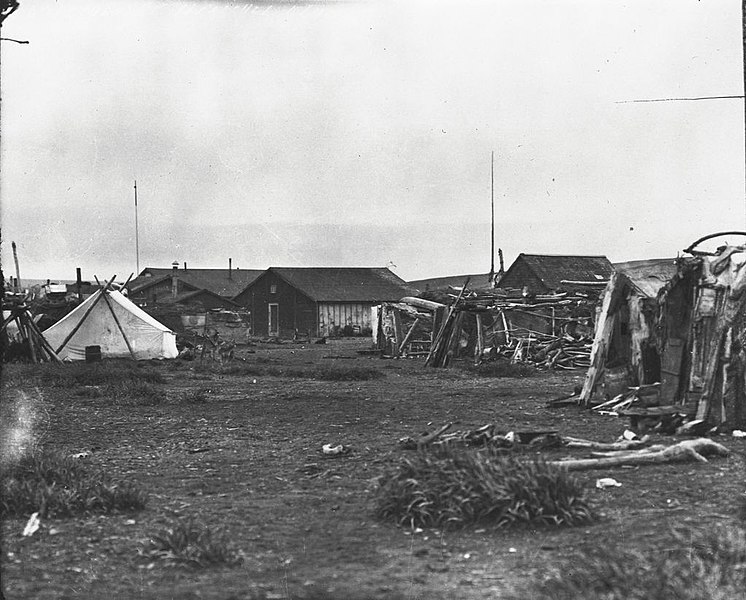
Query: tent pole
x=85, y=316
x=7, y=321
x=44, y=343
x=121, y=329
x=27, y=329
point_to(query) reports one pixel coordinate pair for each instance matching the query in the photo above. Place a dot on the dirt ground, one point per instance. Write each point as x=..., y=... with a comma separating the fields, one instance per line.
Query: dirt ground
x=248, y=459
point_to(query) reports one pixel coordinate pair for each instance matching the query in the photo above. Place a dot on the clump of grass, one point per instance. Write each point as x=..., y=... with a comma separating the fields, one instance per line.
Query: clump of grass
x=242, y=369
x=451, y=487
x=70, y=375
x=198, y=396
x=56, y=485
x=697, y=565
x=133, y=391
x=502, y=368
x=321, y=373
x=191, y=544
x=123, y=392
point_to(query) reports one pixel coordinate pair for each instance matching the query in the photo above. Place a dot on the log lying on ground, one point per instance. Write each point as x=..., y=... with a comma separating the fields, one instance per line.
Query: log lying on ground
x=572, y=442
x=409, y=443
x=687, y=450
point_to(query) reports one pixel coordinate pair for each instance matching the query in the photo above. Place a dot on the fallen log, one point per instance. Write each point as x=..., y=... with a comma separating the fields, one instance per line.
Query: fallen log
x=572, y=442
x=619, y=453
x=409, y=443
x=684, y=451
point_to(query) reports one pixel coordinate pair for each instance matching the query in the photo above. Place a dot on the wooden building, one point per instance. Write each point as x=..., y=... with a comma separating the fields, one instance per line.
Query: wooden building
x=318, y=301
x=543, y=273
x=156, y=285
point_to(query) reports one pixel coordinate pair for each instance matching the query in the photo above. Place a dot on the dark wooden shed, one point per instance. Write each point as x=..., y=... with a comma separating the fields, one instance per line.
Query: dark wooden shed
x=545, y=273
x=319, y=301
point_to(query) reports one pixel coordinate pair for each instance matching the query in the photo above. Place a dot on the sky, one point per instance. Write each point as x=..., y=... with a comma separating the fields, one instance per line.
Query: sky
x=360, y=133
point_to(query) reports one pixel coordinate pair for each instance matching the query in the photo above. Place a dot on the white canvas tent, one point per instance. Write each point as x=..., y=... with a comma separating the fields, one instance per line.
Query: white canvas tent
x=120, y=328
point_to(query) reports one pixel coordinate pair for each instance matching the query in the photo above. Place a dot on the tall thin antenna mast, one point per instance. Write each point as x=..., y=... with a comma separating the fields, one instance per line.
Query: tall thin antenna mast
x=137, y=234
x=492, y=207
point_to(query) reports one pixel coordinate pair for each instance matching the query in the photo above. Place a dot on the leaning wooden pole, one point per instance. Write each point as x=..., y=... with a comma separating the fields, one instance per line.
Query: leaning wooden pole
x=604, y=329
x=46, y=346
x=434, y=348
x=119, y=325
x=83, y=320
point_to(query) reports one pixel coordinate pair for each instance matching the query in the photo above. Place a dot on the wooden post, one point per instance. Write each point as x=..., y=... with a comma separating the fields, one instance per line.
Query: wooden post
x=604, y=328
x=444, y=326
x=46, y=346
x=453, y=340
x=409, y=335
x=479, y=350
x=506, y=327
x=397, y=331
x=27, y=331
x=18, y=272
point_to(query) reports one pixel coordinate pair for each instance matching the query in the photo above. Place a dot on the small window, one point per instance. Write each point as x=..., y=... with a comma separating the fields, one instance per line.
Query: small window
x=273, y=289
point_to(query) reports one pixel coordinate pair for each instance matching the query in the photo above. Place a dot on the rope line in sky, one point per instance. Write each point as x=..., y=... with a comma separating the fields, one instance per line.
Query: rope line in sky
x=679, y=99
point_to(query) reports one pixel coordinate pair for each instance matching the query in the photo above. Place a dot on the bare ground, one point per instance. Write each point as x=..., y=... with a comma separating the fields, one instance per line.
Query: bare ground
x=248, y=459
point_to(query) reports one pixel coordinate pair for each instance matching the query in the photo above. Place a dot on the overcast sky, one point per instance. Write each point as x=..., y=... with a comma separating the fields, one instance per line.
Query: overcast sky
x=359, y=133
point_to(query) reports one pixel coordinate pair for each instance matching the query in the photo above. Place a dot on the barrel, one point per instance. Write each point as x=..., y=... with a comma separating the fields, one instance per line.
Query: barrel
x=92, y=354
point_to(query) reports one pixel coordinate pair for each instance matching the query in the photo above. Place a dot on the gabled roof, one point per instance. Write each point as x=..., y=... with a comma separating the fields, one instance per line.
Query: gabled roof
x=194, y=295
x=138, y=284
x=345, y=284
x=477, y=281
x=650, y=275
x=554, y=269
x=214, y=280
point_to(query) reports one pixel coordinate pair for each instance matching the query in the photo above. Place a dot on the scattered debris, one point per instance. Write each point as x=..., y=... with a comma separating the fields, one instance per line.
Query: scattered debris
x=32, y=526
x=605, y=482
x=338, y=450
x=482, y=436
x=696, y=449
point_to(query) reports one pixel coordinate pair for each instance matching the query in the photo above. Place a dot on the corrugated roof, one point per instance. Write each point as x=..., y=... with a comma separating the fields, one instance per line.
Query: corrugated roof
x=553, y=269
x=214, y=280
x=346, y=284
x=650, y=275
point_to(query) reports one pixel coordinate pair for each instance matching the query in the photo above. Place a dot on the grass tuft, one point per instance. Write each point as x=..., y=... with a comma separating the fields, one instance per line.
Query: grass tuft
x=321, y=373
x=57, y=486
x=697, y=565
x=344, y=373
x=451, y=488
x=188, y=543
x=196, y=396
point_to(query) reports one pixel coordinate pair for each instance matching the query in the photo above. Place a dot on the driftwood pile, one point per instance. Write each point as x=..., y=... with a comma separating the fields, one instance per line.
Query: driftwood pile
x=27, y=342
x=623, y=452
x=549, y=352
x=689, y=450
x=551, y=331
